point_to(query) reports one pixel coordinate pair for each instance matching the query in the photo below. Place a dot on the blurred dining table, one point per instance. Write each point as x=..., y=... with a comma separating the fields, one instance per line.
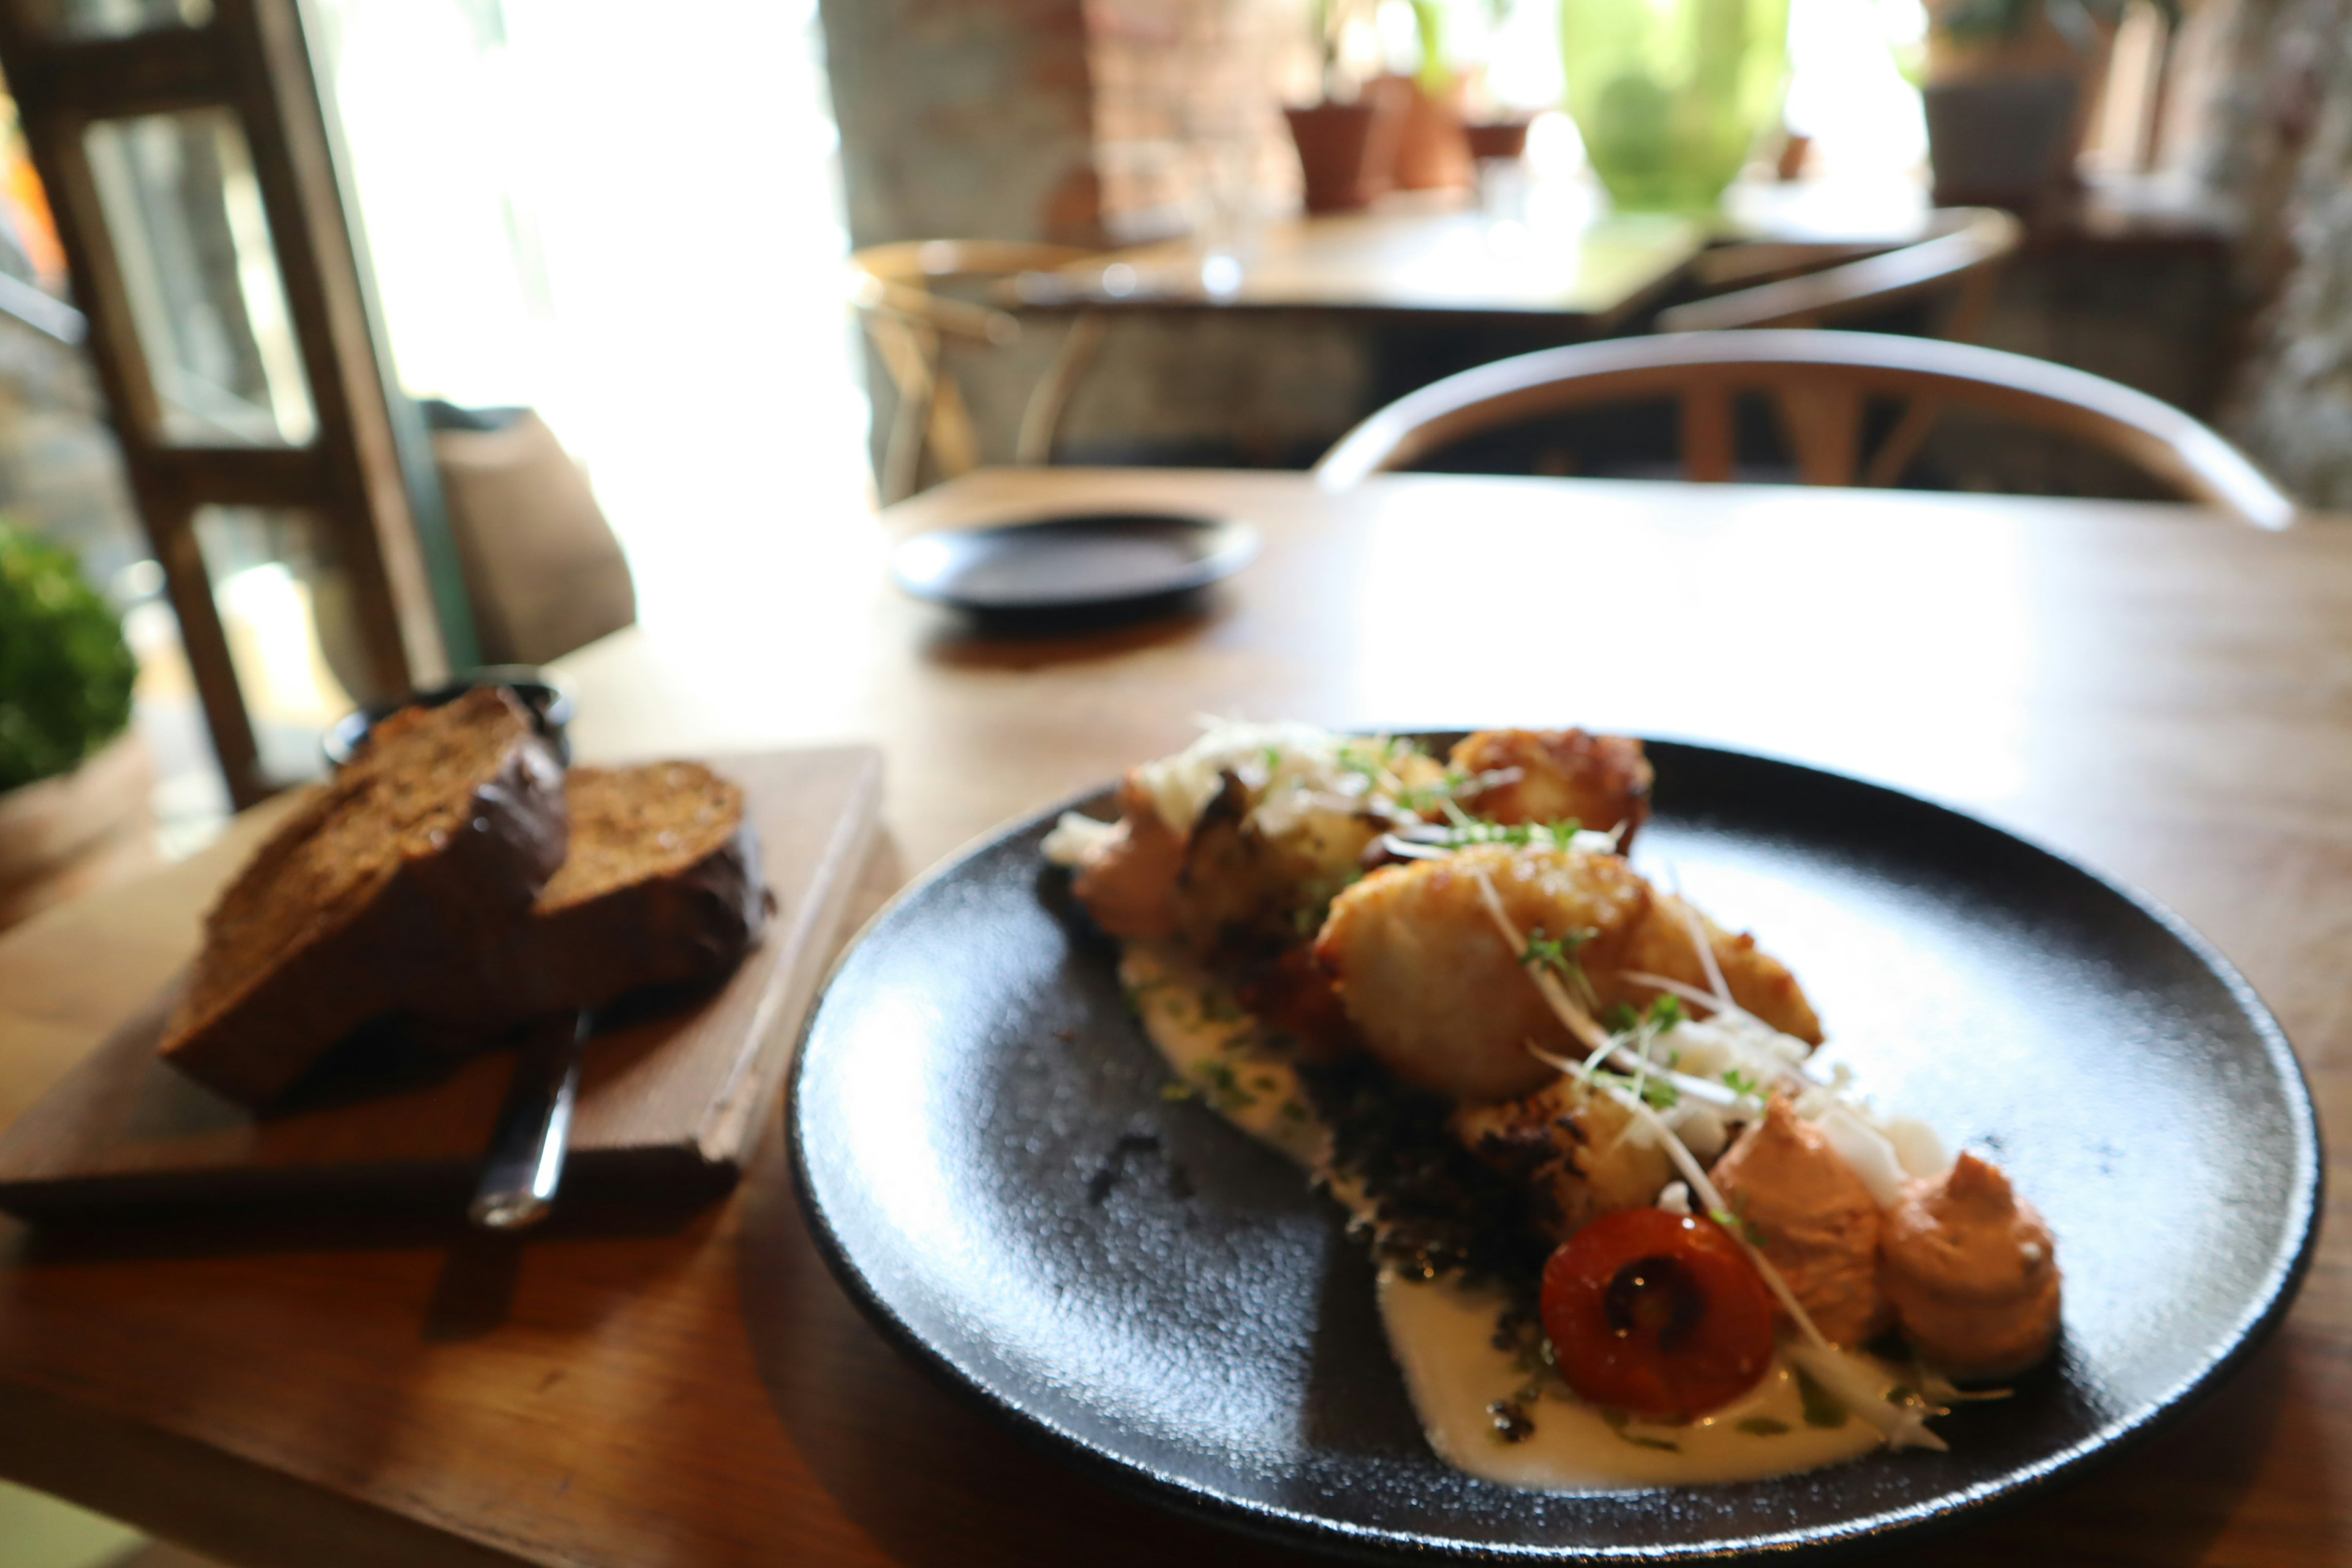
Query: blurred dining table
x=1562, y=265
x=2150, y=689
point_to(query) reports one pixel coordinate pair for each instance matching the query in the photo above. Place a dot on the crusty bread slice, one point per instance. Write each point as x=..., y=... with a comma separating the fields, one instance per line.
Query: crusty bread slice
x=430, y=845
x=663, y=886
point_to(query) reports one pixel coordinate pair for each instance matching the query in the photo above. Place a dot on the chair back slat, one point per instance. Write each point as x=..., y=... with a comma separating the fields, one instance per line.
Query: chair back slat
x=1824, y=421
x=1709, y=452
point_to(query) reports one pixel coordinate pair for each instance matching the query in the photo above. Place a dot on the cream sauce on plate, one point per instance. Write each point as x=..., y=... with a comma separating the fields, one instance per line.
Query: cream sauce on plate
x=1441, y=1331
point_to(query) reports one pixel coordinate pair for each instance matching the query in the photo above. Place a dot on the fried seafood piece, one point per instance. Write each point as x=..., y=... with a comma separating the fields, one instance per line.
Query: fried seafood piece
x=1433, y=988
x=1665, y=945
x=1126, y=877
x=1972, y=1272
x=1566, y=1145
x=1814, y=1220
x=1600, y=781
x=1437, y=995
x=1226, y=879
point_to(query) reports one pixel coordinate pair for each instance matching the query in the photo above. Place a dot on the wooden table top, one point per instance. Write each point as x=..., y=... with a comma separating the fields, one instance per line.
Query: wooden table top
x=1411, y=255
x=2163, y=694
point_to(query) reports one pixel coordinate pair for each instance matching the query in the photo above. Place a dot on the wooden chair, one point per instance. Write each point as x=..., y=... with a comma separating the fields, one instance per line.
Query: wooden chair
x=1820, y=381
x=1962, y=255
x=895, y=290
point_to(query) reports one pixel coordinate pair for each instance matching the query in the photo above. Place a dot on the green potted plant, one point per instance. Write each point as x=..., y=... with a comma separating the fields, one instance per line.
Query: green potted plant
x=2009, y=86
x=74, y=781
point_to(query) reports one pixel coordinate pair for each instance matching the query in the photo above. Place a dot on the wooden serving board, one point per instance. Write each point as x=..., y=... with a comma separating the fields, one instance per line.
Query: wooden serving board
x=669, y=1106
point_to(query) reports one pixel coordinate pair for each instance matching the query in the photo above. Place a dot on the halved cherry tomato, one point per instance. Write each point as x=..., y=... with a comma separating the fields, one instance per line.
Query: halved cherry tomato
x=1655, y=1313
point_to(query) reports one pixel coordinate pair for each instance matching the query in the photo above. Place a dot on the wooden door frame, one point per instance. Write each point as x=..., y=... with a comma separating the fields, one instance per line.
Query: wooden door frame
x=252, y=60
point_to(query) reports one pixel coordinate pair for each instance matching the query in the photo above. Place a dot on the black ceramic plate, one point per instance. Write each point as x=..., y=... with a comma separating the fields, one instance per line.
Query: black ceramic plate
x=1072, y=563
x=986, y=1156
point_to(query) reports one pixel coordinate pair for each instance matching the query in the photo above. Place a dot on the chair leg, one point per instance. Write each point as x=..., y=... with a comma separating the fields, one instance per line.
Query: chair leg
x=905, y=356
x=1708, y=446
x=1824, y=425
x=1902, y=443
x=1043, y=418
x=955, y=445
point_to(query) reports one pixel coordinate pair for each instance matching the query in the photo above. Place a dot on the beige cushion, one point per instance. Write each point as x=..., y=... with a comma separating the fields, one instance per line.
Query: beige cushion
x=542, y=568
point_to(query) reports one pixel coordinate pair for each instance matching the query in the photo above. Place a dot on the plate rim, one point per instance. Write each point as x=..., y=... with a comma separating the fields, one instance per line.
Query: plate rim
x=1298, y=1530
x=1234, y=542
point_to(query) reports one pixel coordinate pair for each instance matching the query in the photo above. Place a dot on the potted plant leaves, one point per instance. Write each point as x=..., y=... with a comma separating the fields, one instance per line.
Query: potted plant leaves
x=2008, y=93
x=75, y=783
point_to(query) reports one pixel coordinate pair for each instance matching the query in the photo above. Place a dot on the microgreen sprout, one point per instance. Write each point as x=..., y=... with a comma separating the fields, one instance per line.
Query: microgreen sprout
x=1557, y=955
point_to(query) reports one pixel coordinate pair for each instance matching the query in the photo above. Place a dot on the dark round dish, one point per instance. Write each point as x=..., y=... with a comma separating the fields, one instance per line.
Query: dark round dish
x=542, y=692
x=1064, y=563
x=986, y=1158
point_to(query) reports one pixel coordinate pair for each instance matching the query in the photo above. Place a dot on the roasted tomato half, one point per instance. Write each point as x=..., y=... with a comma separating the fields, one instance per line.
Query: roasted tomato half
x=1659, y=1314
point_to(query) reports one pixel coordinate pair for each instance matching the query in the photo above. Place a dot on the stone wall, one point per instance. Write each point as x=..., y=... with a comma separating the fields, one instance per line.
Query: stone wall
x=2276, y=144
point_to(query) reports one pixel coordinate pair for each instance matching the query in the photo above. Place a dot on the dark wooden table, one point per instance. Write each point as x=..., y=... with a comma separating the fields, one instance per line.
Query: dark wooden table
x=2161, y=693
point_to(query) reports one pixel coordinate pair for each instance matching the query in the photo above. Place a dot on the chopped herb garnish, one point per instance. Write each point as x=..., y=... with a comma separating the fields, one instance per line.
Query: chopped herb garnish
x=1620, y=1019
x=1559, y=955
x=1656, y=1093
x=1176, y=1091
x=1763, y=1427
x=1822, y=1408
x=1617, y=1420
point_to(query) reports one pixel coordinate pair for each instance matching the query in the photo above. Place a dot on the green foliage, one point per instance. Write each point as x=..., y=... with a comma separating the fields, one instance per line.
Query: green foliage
x=64, y=672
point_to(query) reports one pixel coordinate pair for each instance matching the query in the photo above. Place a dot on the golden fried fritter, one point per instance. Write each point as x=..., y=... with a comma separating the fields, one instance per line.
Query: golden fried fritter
x=1600, y=781
x=1439, y=997
x=1126, y=880
x=1759, y=981
x=1567, y=1145
x=1225, y=880
x=1436, y=993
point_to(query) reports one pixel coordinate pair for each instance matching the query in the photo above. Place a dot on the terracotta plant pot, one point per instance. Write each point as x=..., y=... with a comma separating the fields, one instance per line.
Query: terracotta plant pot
x=1346, y=150
x=1432, y=151
x=79, y=831
x=1498, y=138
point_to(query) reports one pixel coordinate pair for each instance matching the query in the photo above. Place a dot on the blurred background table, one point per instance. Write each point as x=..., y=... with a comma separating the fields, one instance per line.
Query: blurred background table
x=1573, y=272
x=2162, y=694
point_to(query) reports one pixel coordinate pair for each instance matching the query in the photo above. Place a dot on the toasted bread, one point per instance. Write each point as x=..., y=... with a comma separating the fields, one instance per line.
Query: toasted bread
x=431, y=846
x=663, y=886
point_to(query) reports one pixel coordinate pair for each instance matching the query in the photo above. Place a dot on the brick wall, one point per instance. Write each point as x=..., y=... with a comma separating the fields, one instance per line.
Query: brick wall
x=1188, y=107
x=1076, y=120
x=964, y=118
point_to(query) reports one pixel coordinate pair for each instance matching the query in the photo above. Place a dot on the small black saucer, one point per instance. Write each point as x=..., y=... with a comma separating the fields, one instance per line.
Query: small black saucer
x=1094, y=560
x=542, y=693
